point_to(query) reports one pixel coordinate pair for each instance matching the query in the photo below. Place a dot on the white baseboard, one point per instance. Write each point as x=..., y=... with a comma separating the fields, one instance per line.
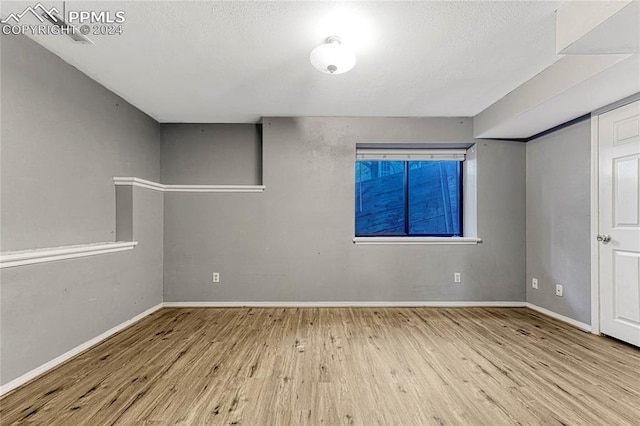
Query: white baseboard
x=379, y=304
x=73, y=352
x=353, y=304
x=581, y=325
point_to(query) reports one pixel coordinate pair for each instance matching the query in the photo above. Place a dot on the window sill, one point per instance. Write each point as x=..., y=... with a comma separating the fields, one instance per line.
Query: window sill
x=417, y=240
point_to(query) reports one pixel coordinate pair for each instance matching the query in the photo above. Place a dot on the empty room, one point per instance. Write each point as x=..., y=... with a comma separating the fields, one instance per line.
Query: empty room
x=320, y=213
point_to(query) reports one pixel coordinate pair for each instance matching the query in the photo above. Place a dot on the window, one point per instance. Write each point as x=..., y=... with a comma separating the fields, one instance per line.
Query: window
x=409, y=193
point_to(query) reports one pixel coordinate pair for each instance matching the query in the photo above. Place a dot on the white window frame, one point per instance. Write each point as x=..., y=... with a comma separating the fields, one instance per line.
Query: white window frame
x=469, y=191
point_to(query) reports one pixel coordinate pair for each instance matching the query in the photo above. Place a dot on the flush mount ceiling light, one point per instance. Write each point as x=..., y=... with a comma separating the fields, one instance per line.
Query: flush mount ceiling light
x=332, y=57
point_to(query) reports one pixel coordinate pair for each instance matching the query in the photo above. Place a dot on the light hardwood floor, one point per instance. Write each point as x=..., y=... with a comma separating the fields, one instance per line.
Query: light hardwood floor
x=362, y=366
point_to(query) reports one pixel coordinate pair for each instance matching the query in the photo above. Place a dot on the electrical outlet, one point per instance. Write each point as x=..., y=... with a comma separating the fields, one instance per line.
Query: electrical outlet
x=457, y=277
x=216, y=277
x=559, y=290
x=534, y=283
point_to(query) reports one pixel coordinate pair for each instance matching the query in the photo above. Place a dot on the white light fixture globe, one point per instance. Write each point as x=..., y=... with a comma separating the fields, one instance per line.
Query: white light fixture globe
x=332, y=57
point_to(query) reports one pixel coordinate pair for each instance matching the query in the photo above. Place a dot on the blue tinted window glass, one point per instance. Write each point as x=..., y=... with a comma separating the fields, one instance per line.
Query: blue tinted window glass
x=380, y=198
x=434, y=198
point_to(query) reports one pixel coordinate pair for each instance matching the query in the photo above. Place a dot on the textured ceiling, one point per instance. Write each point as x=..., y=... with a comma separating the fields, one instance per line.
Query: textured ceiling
x=239, y=61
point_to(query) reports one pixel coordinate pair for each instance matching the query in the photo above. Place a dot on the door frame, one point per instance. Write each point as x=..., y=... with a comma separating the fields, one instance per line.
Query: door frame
x=595, y=218
x=595, y=210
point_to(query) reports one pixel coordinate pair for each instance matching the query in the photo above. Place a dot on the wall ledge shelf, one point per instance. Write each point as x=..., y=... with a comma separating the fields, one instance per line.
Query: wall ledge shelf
x=416, y=240
x=143, y=183
x=10, y=259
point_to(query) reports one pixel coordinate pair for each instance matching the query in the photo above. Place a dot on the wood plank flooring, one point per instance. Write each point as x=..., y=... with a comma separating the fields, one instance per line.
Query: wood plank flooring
x=342, y=366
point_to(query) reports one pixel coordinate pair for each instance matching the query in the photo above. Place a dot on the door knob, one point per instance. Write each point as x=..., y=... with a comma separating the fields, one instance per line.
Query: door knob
x=604, y=238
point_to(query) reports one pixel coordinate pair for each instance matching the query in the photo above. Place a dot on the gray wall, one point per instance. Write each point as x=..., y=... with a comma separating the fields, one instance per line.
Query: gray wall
x=211, y=154
x=64, y=137
x=558, y=221
x=294, y=241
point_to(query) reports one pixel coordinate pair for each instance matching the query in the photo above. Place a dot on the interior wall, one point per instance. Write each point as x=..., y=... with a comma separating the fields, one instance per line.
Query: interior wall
x=64, y=138
x=558, y=221
x=221, y=154
x=293, y=242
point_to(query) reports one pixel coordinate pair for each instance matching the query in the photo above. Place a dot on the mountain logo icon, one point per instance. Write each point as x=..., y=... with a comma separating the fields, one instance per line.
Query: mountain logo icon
x=39, y=11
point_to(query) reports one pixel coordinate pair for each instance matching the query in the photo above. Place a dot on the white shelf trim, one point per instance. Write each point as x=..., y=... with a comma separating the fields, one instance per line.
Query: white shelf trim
x=214, y=188
x=143, y=183
x=9, y=259
x=416, y=240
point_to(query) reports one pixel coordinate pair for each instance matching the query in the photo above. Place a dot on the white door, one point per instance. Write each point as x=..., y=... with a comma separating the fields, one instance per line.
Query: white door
x=619, y=222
